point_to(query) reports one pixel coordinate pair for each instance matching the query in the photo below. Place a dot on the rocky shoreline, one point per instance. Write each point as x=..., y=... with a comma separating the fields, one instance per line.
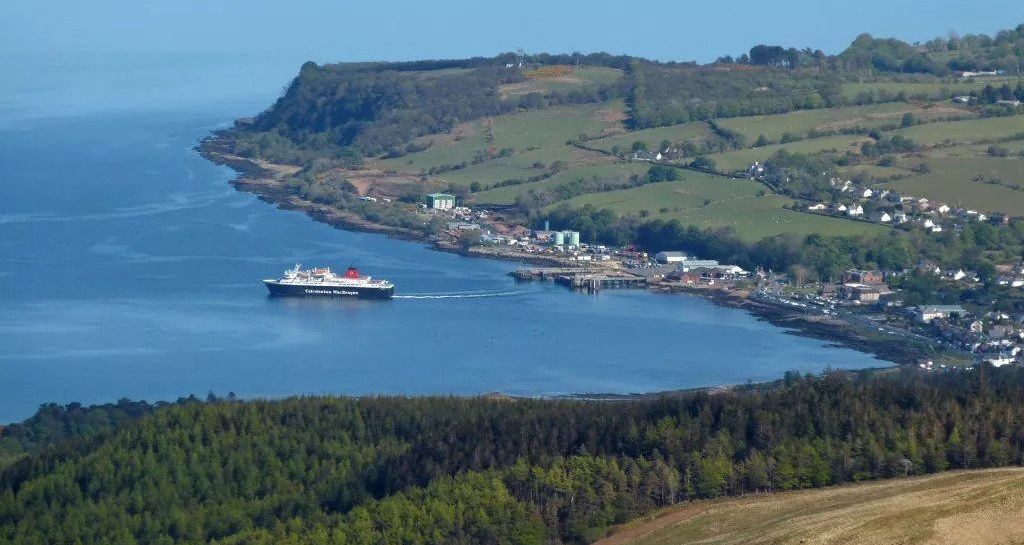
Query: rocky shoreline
x=841, y=333
x=261, y=181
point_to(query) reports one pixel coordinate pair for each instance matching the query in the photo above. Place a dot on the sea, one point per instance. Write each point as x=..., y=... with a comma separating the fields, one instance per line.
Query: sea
x=130, y=268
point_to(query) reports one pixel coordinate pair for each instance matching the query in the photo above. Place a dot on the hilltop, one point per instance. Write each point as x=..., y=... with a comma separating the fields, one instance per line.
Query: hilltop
x=525, y=134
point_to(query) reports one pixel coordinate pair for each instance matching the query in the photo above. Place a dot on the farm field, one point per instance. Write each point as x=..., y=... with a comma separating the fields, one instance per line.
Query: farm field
x=589, y=76
x=712, y=201
x=955, y=181
x=537, y=136
x=980, y=507
x=520, y=165
x=1015, y=147
x=878, y=172
x=965, y=132
x=738, y=160
x=801, y=122
x=933, y=90
x=610, y=171
x=694, y=132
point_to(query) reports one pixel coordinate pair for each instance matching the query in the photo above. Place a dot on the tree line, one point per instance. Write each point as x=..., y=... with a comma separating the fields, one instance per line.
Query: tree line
x=508, y=471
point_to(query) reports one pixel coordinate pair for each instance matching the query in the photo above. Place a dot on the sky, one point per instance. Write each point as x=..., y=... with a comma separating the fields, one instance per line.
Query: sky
x=76, y=57
x=329, y=30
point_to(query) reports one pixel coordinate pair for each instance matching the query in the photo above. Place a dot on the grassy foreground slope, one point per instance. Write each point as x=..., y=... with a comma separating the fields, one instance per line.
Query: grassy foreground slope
x=974, y=507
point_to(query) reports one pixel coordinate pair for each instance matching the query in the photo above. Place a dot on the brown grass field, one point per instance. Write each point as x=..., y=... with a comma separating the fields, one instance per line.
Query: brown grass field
x=984, y=507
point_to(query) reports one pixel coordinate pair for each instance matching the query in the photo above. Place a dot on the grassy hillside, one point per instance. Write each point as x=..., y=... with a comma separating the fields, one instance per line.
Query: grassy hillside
x=923, y=89
x=692, y=132
x=563, y=79
x=982, y=183
x=975, y=507
x=605, y=171
x=543, y=129
x=800, y=123
x=706, y=200
x=531, y=137
x=966, y=132
x=739, y=160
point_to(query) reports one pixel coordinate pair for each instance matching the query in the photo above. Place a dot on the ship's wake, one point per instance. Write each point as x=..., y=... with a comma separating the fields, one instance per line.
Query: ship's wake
x=458, y=295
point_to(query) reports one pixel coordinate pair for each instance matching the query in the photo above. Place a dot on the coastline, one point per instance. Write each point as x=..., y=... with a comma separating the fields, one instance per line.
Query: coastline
x=261, y=181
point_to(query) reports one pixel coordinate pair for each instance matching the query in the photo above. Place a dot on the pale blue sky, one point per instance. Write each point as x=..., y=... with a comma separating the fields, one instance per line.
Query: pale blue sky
x=72, y=57
x=402, y=29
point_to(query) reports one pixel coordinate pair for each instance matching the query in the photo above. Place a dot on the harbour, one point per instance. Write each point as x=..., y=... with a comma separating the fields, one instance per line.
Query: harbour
x=165, y=300
x=589, y=279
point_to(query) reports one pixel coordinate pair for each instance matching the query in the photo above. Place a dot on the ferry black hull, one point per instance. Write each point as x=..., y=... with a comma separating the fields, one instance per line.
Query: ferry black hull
x=359, y=292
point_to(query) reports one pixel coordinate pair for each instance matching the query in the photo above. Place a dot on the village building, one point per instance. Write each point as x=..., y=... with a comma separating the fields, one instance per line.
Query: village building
x=1000, y=331
x=864, y=293
x=927, y=313
x=670, y=257
x=863, y=276
x=440, y=201
x=880, y=216
x=999, y=219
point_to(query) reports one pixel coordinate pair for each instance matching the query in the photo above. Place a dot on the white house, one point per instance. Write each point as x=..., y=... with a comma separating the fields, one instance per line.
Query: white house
x=855, y=211
x=943, y=209
x=881, y=217
x=900, y=217
x=866, y=193
x=817, y=207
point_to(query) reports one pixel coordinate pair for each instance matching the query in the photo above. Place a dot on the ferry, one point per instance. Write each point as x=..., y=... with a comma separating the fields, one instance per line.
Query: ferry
x=322, y=282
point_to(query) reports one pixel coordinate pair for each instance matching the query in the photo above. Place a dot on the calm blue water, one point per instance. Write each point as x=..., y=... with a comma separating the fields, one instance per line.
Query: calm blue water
x=130, y=268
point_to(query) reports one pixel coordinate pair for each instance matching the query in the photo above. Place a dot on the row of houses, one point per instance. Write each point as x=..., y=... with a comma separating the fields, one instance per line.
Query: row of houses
x=889, y=207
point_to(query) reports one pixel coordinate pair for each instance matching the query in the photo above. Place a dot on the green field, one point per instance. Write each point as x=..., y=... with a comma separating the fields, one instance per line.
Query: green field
x=609, y=171
x=734, y=203
x=933, y=90
x=953, y=180
x=799, y=123
x=738, y=160
x=537, y=136
x=877, y=172
x=965, y=132
x=654, y=137
x=520, y=165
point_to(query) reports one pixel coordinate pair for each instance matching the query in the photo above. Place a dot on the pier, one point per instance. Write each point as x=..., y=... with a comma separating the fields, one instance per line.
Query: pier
x=590, y=279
